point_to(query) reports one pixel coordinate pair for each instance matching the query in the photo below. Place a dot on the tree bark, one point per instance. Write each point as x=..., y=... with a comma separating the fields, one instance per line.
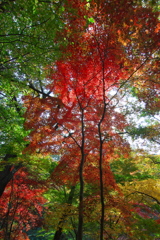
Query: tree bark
x=81, y=180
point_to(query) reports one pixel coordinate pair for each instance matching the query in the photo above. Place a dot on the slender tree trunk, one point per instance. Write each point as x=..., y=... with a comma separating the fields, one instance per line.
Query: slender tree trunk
x=101, y=183
x=80, y=224
x=81, y=193
x=101, y=153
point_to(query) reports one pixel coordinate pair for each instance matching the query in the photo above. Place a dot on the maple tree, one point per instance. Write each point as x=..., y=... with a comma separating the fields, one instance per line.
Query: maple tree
x=77, y=112
x=80, y=122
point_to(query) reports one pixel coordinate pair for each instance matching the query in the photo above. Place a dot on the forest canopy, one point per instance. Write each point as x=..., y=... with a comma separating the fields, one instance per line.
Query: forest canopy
x=79, y=120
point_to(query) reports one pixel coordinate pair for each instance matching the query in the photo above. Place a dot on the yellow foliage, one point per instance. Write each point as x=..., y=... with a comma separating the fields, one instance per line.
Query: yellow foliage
x=147, y=190
x=59, y=215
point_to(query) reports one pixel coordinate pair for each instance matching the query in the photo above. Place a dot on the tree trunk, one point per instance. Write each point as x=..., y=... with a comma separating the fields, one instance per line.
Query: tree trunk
x=80, y=219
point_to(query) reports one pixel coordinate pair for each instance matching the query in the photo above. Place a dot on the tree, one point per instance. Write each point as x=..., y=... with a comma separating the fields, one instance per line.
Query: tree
x=80, y=121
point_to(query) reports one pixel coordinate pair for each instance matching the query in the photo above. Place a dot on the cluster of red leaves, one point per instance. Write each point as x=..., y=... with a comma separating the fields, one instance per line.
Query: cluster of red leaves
x=21, y=206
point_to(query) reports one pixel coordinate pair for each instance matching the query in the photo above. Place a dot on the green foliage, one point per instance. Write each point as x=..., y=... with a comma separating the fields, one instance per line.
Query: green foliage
x=152, y=3
x=40, y=234
x=26, y=37
x=12, y=132
x=39, y=166
x=129, y=169
x=145, y=228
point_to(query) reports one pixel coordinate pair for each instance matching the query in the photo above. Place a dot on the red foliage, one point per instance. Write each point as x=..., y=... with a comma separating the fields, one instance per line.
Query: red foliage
x=21, y=206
